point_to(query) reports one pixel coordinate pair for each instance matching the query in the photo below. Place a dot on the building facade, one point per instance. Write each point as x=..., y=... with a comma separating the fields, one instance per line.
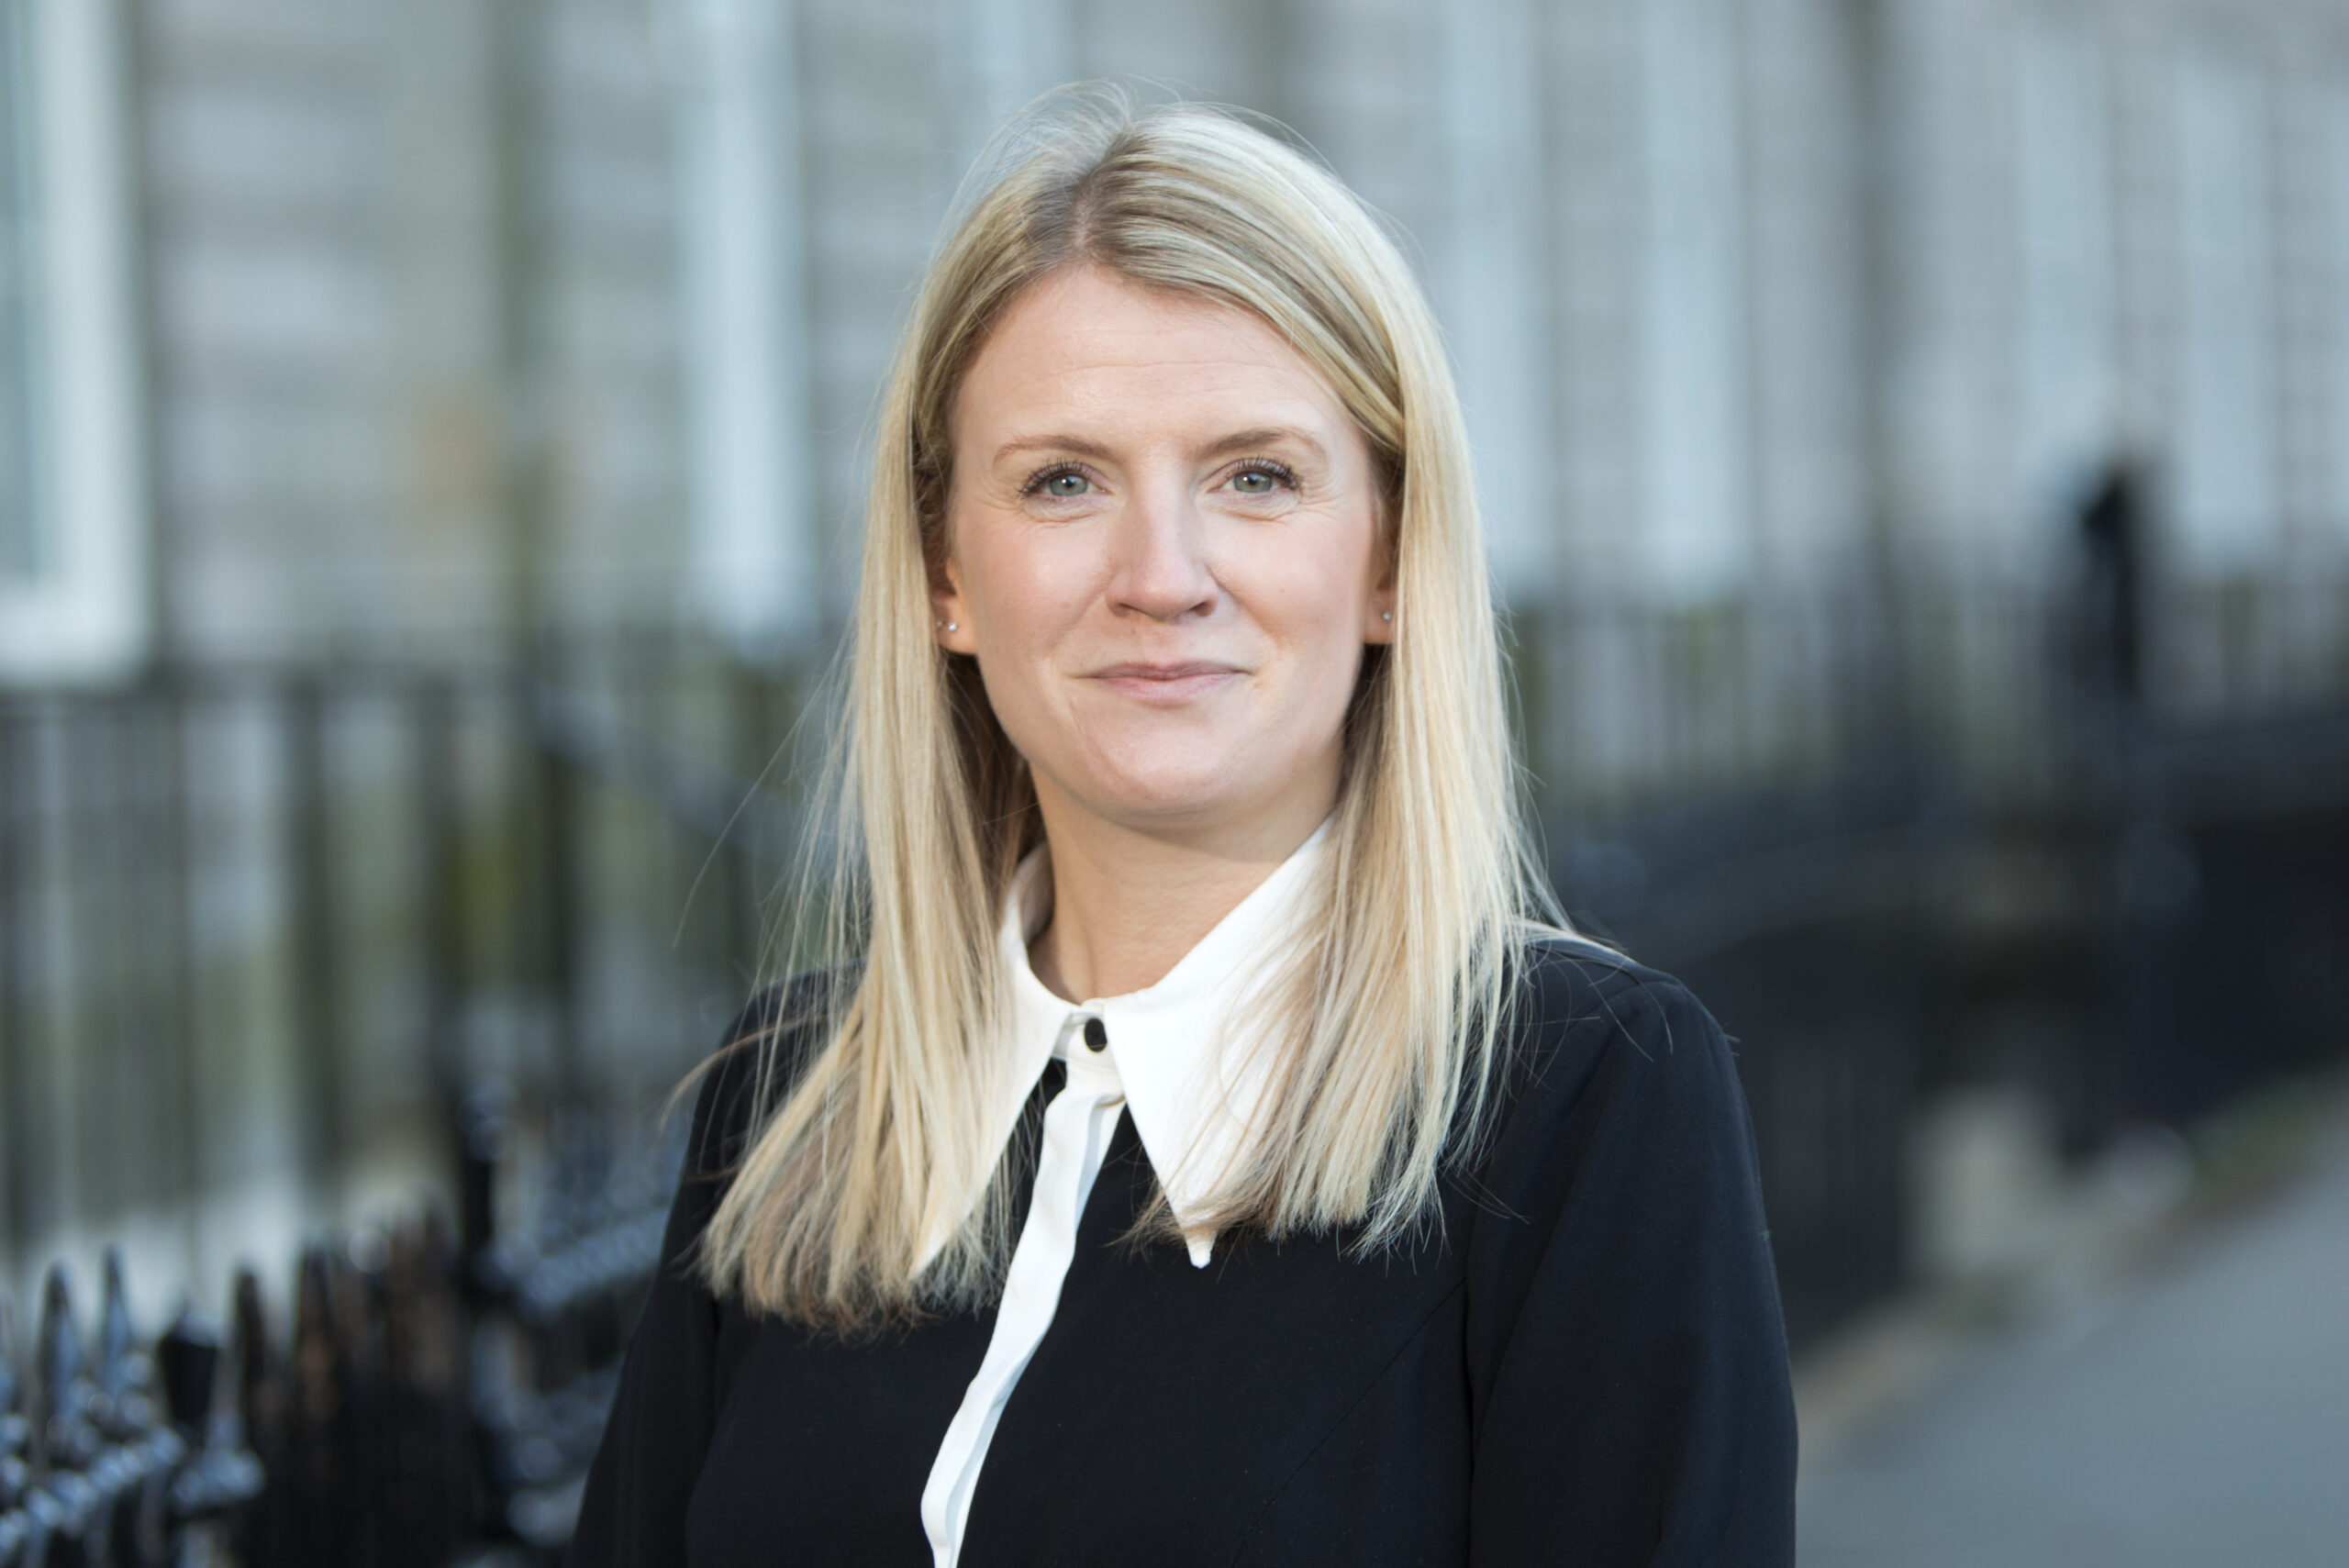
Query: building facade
x=1797, y=337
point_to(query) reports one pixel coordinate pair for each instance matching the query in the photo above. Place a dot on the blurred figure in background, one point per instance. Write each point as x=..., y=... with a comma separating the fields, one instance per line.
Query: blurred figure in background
x=2112, y=531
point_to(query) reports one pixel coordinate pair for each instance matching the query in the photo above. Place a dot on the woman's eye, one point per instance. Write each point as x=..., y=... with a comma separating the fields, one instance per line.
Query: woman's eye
x=1065, y=485
x=1257, y=482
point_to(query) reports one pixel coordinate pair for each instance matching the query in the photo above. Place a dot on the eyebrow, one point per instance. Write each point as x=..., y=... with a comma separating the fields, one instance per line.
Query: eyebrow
x=1222, y=446
x=1270, y=434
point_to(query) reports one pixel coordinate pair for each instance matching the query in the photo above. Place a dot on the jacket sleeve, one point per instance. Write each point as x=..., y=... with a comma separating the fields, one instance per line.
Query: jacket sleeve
x=633, y=1514
x=1627, y=1350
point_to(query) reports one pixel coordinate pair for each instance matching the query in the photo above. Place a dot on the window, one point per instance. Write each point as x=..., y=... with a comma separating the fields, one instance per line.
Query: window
x=755, y=564
x=2064, y=401
x=2226, y=479
x=23, y=543
x=1487, y=270
x=2336, y=152
x=73, y=493
x=1694, y=321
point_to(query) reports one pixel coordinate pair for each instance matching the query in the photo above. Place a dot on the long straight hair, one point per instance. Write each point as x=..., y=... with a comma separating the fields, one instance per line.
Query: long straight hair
x=1383, y=1034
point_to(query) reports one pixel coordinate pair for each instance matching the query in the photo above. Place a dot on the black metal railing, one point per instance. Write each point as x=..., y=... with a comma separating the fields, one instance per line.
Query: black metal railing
x=273, y=931
x=2006, y=851
x=432, y=1392
x=262, y=927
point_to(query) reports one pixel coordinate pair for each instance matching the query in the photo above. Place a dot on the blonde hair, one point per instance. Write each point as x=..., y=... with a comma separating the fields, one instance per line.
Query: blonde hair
x=1386, y=1027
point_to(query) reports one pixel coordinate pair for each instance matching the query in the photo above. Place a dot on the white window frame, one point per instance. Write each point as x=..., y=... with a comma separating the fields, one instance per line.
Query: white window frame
x=1488, y=262
x=754, y=560
x=2064, y=395
x=2337, y=154
x=1695, y=414
x=2227, y=487
x=86, y=617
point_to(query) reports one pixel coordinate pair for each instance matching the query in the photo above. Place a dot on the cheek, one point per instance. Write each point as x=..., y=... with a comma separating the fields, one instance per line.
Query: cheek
x=1311, y=603
x=1020, y=595
x=1318, y=591
x=1025, y=601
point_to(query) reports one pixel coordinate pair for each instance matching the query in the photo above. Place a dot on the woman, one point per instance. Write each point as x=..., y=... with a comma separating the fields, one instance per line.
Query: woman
x=1209, y=1148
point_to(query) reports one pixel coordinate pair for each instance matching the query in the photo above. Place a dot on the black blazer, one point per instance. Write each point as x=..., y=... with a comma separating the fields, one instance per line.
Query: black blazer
x=1585, y=1363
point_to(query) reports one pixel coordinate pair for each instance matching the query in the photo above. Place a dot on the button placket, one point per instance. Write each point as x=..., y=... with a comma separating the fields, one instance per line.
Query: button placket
x=1077, y=1126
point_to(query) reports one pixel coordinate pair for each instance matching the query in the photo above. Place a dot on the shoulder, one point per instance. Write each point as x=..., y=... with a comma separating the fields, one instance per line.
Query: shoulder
x=1594, y=1035
x=1619, y=1127
x=1623, y=1330
x=1570, y=988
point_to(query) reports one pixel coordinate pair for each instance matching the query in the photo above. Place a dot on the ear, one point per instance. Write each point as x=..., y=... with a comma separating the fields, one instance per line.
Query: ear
x=950, y=613
x=1378, y=611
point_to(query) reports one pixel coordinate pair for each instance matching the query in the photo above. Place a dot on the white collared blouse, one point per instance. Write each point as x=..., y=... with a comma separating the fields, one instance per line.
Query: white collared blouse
x=1175, y=1058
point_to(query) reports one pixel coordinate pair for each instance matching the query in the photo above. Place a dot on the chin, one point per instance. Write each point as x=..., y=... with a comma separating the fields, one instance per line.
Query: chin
x=1181, y=790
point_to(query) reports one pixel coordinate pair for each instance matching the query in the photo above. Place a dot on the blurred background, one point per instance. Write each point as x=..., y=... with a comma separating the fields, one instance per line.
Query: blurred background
x=1916, y=441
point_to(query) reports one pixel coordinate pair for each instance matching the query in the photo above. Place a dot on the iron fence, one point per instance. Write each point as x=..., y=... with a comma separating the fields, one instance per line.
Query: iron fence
x=271, y=939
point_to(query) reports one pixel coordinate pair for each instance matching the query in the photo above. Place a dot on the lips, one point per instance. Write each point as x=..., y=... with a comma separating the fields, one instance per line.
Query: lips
x=1167, y=684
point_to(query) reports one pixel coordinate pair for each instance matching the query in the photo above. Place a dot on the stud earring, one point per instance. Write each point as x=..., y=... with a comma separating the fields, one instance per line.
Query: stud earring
x=946, y=626
x=1387, y=615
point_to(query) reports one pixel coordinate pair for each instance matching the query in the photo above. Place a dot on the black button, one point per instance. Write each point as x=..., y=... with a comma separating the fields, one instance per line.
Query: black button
x=1096, y=1035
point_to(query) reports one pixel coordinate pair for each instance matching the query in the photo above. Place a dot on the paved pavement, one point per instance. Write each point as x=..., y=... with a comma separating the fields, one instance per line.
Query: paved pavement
x=2196, y=1416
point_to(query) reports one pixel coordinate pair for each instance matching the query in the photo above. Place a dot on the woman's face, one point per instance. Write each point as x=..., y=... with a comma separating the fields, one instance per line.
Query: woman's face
x=1164, y=553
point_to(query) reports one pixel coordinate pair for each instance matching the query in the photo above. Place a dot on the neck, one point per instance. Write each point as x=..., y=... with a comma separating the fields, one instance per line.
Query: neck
x=1127, y=903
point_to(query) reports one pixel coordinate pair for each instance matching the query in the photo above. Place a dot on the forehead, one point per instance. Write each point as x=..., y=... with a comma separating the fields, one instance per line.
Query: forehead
x=1088, y=344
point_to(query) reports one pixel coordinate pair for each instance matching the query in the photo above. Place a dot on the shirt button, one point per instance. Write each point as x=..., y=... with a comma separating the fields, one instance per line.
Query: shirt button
x=1096, y=1035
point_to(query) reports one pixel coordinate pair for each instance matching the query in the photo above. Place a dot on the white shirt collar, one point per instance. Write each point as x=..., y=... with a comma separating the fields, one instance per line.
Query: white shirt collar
x=1182, y=1049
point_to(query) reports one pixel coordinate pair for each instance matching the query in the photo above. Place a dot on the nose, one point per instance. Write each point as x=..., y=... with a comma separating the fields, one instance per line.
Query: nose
x=1161, y=566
